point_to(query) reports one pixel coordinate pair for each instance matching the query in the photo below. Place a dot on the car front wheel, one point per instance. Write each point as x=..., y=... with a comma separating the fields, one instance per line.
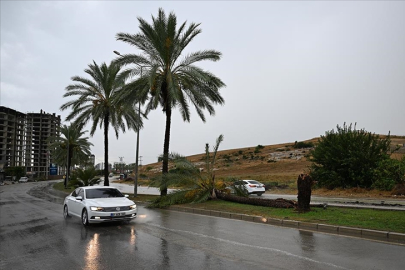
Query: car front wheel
x=259, y=194
x=85, y=218
x=66, y=212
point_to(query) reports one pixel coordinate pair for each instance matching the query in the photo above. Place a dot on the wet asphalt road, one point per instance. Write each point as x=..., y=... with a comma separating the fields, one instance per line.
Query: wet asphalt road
x=34, y=235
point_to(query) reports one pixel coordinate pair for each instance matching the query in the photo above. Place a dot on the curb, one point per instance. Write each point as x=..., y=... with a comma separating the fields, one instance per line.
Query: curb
x=383, y=236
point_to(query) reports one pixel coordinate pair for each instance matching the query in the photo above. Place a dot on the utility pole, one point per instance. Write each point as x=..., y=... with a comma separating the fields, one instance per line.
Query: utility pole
x=137, y=136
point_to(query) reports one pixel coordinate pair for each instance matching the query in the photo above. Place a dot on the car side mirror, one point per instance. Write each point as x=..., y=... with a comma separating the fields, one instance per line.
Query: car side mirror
x=79, y=198
x=126, y=195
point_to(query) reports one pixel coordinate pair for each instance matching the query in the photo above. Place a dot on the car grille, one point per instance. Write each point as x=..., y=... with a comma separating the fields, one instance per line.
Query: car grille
x=114, y=209
x=126, y=217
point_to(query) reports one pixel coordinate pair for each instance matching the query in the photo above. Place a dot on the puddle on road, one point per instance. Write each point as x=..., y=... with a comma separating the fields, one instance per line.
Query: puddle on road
x=42, y=192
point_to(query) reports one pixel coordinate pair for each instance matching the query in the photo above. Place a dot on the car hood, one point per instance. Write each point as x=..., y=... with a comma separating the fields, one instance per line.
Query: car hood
x=109, y=202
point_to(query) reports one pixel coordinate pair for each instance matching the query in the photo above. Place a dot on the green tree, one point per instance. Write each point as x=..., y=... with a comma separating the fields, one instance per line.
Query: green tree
x=196, y=186
x=15, y=171
x=348, y=157
x=70, y=148
x=100, y=100
x=168, y=81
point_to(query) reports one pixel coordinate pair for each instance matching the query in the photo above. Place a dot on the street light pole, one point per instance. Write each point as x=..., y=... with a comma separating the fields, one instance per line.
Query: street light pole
x=67, y=161
x=137, y=140
x=137, y=150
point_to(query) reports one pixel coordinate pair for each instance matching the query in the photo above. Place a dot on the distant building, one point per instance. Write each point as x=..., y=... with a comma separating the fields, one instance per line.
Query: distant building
x=100, y=166
x=23, y=140
x=40, y=127
x=12, y=138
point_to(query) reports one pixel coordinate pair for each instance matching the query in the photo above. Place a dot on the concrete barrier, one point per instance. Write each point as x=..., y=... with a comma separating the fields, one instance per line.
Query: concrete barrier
x=373, y=234
x=327, y=228
x=349, y=231
x=308, y=226
x=198, y=211
x=396, y=237
x=247, y=217
x=291, y=223
x=189, y=210
x=205, y=212
x=215, y=213
x=275, y=221
x=236, y=216
x=259, y=219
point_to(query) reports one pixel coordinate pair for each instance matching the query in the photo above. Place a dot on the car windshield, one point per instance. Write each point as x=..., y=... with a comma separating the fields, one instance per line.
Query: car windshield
x=254, y=182
x=103, y=193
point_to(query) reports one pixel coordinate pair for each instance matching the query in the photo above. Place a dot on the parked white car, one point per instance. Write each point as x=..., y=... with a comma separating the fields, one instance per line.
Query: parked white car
x=97, y=204
x=252, y=186
x=23, y=179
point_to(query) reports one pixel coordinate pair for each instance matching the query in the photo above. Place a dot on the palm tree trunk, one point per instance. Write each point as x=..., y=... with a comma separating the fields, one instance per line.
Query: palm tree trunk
x=106, y=181
x=68, y=176
x=165, y=168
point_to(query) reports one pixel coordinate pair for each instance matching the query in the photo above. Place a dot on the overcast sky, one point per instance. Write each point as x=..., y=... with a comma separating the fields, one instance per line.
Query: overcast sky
x=293, y=70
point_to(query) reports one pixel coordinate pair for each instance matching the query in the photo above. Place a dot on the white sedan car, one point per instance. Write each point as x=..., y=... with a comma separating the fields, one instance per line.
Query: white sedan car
x=251, y=186
x=97, y=204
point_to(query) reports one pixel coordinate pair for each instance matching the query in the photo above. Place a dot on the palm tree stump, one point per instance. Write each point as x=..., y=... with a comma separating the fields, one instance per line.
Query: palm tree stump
x=304, y=184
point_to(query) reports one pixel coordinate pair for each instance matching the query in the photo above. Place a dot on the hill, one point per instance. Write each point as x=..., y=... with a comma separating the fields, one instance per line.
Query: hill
x=280, y=163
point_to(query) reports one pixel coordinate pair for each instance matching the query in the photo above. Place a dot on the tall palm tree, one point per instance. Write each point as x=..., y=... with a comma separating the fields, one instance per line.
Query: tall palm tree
x=100, y=100
x=71, y=149
x=168, y=81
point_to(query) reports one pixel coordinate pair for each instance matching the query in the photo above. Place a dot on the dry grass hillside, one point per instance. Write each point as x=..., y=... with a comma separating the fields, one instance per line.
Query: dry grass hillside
x=279, y=164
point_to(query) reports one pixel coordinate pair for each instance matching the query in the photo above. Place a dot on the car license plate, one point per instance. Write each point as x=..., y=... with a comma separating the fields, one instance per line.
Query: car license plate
x=117, y=214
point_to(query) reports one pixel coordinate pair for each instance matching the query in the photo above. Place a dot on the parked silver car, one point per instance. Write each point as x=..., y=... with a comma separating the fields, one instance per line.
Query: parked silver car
x=23, y=179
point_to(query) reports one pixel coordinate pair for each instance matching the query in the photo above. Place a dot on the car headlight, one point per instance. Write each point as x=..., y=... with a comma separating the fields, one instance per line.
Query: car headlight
x=132, y=206
x=96, y=208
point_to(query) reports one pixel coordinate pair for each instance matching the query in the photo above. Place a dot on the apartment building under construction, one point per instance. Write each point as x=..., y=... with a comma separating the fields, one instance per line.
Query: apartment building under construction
x=23, y=140
x=12, y=137
x=39, y=127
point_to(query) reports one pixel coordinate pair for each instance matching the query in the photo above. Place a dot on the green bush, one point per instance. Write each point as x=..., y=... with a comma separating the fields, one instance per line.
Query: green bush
x=389, y=173
x=299, y=145
x=258, y=148
x=348, y=157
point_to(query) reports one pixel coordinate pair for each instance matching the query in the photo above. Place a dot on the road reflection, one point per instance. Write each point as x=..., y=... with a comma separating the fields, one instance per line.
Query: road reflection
x=92, y=253
x=133, y=237
x=307, y=241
